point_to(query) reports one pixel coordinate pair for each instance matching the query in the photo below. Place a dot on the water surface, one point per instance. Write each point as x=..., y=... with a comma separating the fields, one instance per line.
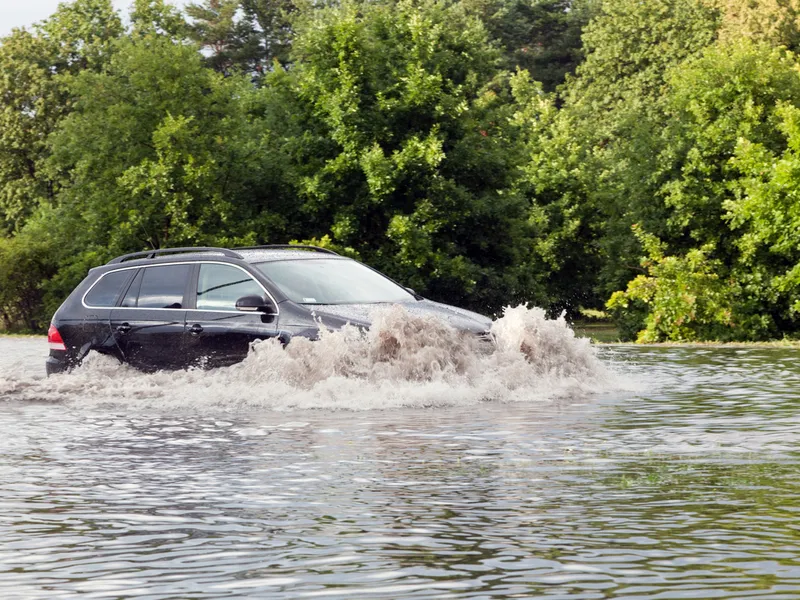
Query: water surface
x=677, y=480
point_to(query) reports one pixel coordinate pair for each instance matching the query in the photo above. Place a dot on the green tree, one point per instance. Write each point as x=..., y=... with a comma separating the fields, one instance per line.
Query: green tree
x=542, y=37
x=630, y=46
x=563, y=226
x=407, y=152
x=730, y=92
x=160, y=151
x=26, y=263
x=614, y=108
x=34, y=96
x=271, y=24
x=682, y=298
x=156, y=17
x=729, y=101
x=776, y=22
x=218, y=28
x=765, y=214
x=248, y=36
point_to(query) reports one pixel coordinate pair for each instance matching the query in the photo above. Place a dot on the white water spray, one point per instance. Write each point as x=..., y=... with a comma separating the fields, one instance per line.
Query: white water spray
x=404, y=360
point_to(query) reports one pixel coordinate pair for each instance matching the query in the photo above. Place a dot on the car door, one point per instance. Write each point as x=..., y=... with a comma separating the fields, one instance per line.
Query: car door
x=217, y=334
x=148, y=326
x=98, y=303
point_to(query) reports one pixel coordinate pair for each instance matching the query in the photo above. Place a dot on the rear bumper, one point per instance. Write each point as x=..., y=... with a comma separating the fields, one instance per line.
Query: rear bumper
x=56, y=364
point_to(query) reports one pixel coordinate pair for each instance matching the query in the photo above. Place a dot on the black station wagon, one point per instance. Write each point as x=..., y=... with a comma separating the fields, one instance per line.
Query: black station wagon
x=181, y=307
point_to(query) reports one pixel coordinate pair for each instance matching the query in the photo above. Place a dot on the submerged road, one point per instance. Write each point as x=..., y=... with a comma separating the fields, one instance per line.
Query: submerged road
x=680, y=480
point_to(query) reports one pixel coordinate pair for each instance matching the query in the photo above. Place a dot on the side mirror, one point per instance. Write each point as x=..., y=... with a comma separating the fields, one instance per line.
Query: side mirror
x=255, y=304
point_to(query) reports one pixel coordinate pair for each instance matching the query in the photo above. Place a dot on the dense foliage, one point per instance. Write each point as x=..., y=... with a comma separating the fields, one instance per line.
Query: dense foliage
x=642, y=157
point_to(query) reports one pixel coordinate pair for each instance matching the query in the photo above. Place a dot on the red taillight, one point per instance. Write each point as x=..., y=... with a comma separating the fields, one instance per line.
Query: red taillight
x=54, y=339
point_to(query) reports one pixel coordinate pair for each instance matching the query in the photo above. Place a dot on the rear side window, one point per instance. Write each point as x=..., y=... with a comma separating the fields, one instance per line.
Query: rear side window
x=163, y=287
x=132, y=295
x=220, y=286
x=105, y=292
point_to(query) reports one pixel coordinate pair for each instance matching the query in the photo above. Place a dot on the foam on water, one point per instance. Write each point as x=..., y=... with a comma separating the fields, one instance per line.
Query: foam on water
x=402, y=361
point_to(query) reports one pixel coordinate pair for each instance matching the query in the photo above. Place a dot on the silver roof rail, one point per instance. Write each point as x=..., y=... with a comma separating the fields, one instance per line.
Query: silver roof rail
x=154, y=253
x=289, y=247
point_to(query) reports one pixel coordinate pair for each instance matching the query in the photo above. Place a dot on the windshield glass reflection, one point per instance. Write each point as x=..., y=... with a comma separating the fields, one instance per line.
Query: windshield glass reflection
x=332, y=281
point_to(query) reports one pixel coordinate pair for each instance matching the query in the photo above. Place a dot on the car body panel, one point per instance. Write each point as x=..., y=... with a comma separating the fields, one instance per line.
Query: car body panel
x=218, y=338
x=149, y=338
x=363, y=314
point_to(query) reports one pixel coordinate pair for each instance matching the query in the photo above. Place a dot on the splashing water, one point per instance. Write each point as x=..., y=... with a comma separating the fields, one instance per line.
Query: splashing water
x=402, y=361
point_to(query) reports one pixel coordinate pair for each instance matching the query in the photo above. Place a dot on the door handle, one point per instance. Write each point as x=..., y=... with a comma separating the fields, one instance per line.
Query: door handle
x=195, y=329
x=124, y=328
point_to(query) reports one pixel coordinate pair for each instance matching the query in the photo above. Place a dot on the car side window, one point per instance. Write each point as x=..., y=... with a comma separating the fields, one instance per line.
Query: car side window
x=220, y=286
x=163, y=286
x=132, y=295
x=105, y=292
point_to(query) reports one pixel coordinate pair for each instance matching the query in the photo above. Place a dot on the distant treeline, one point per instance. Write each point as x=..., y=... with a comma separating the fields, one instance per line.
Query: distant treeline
x=636, y=156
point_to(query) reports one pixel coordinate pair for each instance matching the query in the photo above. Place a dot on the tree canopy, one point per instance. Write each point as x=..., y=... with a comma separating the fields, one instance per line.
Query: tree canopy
x=638, y=157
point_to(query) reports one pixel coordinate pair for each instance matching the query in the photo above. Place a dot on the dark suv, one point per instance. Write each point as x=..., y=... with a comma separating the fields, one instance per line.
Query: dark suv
x=181, y=307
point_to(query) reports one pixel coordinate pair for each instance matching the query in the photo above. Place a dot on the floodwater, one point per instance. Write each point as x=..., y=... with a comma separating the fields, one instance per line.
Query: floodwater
x=618, y=472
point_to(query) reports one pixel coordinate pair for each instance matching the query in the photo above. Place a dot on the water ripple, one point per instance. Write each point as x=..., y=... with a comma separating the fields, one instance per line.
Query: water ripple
x=685, y=488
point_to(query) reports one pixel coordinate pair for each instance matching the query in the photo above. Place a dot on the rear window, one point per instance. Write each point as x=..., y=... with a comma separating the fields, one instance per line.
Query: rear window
x=105, y=292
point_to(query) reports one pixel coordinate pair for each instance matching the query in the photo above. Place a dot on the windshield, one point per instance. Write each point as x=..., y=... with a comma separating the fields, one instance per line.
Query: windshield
x=332, y=281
